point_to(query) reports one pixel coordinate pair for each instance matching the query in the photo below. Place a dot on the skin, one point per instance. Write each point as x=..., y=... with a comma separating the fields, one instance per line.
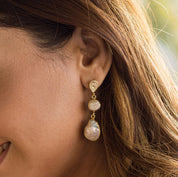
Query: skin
x=43, y=106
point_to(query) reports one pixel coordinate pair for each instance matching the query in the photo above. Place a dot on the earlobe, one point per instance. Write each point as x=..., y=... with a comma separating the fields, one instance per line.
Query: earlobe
x=96, y=58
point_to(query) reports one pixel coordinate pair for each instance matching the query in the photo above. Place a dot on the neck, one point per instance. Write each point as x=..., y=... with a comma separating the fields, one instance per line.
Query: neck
x=92, y=162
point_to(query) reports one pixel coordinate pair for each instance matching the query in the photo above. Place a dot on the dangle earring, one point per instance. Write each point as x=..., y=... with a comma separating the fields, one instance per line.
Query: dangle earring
x=92, y=129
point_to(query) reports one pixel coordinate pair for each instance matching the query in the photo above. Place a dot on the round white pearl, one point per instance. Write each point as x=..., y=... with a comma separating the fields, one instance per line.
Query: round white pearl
x=94, y=105
x=92, y=130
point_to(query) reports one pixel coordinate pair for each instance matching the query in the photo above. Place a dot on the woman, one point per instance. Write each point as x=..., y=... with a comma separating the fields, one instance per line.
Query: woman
x=84, y=92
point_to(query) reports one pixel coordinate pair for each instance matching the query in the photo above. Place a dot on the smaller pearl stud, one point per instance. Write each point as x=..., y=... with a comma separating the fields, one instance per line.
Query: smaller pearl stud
x=92, y=129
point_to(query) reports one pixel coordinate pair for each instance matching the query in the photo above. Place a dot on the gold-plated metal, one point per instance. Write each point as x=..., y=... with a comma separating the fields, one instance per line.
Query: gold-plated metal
x=93, y=96
x=93, y=116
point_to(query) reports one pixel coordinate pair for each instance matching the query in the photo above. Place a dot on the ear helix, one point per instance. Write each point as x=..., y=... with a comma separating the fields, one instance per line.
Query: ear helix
x=92, y=129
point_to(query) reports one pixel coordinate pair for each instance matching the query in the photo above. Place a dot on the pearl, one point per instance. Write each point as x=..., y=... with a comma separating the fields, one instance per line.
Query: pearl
x=94, y=105
x=92, y=130
x=93, y=85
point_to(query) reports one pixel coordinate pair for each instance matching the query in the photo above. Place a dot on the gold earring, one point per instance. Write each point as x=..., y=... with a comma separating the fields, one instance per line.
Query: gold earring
x=92, y=129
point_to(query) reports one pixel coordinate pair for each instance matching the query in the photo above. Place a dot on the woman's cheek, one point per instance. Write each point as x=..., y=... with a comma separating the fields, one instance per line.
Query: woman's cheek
x=43, y=117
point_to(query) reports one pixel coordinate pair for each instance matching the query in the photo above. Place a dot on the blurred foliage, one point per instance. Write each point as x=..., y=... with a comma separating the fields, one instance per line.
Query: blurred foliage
x=164, y=16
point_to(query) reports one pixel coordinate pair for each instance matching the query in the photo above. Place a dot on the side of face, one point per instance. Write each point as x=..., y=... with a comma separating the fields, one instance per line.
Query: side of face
x=42, y=107
x=43, y=102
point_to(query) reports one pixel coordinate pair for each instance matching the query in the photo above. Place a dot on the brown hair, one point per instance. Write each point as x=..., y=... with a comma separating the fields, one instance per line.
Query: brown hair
x=139, y=114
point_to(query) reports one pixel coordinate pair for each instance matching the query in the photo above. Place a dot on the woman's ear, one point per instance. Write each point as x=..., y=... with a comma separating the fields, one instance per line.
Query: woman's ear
x=95, y=57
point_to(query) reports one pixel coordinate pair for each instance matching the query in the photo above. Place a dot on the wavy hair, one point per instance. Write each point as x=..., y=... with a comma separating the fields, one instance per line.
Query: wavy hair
x=139, y=117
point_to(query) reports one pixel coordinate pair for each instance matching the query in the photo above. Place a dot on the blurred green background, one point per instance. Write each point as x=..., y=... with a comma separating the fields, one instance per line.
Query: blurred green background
x=164, y=16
